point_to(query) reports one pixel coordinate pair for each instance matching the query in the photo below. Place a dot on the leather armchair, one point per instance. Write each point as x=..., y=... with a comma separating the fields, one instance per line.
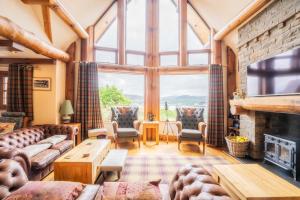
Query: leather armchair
x=125, y=123
x=191, y=126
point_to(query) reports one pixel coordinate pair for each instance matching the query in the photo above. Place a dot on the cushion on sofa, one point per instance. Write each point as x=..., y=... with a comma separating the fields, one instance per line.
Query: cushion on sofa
x=125, y=190
x=55, y=139
x=127, y=132
x=34, y=149
x=63, y=146
x=44, y=158
x=48, y=190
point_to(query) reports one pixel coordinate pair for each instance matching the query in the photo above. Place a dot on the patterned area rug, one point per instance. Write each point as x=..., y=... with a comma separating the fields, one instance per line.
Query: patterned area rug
x=154, y=167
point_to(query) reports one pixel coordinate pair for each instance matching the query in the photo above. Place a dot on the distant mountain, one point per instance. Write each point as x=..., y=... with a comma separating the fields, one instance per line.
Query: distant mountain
x=180, y=100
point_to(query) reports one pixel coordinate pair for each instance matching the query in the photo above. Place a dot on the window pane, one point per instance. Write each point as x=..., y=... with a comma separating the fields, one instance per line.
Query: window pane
x=182, y=90
x=105, y=56
x=133, y=59
x=168, y=26
x=118, y=89
x=168, y=60
x=109, y=38
x=198, y=59
x=193, y=41
x=136, y=25
x=5, y=80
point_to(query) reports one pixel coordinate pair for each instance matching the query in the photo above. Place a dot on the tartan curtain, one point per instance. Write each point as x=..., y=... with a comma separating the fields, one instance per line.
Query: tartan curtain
x=88, y=111
x=215, y=129
x=19, y=89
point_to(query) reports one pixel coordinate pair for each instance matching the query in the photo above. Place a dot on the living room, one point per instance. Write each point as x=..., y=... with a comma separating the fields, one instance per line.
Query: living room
x=149, y=99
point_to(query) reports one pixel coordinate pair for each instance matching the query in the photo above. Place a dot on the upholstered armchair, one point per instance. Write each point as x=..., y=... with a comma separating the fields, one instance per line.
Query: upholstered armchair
x=125, y=123
x=191, y=125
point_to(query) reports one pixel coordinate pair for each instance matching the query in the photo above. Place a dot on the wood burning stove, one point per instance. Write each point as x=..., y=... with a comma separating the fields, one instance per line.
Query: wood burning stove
x=284, y=151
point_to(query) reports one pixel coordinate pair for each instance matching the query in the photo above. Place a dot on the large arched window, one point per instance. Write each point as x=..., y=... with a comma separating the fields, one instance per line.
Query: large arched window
x=167, y=38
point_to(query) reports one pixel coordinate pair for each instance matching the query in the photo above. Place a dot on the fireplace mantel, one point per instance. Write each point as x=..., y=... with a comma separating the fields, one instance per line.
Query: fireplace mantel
x=278, y=104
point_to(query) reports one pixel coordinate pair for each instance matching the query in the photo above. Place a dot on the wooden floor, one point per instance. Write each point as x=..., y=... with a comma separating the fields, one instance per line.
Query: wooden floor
x=187, y=149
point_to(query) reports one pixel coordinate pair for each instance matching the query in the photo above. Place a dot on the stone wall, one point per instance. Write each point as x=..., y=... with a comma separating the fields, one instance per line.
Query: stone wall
x=275, y=30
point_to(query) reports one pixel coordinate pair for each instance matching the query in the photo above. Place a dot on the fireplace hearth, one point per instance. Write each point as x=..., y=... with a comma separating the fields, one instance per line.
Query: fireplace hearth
x=283, y=151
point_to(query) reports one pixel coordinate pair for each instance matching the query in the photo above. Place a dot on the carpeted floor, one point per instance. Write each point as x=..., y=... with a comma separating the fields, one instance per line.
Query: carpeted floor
x=154, y=167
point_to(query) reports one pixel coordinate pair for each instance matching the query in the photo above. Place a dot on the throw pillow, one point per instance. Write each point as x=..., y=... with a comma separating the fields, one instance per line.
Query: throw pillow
x=133, y=191
x=48, y=190
x=6, y=128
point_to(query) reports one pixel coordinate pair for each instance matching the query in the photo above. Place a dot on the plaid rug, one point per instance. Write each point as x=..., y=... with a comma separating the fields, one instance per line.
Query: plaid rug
x=154, y=167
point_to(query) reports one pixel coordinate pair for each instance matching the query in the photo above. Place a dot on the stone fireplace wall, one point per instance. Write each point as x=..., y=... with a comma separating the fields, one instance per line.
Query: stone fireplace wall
x=273, y=31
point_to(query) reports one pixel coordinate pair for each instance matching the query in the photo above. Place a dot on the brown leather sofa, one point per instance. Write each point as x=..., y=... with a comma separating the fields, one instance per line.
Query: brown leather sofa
x=189, y=183
x=13, y=146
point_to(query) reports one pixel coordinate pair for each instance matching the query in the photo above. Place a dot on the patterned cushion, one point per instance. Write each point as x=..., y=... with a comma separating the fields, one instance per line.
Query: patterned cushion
x=127, y=132
x=63, y=146
x=191, y=133
x=48, y=190
x=124, y=116
x=44, y=158
x=17, y=120
x=190, y=117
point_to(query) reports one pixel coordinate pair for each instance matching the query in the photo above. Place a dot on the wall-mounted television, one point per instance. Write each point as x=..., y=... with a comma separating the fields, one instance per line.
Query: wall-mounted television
x=278, y=75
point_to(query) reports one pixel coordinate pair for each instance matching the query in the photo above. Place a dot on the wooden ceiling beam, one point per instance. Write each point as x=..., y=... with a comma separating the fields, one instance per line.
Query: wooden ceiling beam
x=47, y=21
x=63, y=13
x=12, y=31
x=244, y=15
x=45, y=61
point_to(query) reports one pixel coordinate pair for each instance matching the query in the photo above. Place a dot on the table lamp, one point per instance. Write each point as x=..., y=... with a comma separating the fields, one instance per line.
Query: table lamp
x=66, y=110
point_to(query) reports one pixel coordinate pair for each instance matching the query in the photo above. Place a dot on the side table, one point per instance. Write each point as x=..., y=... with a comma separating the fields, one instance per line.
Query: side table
x=154, y=125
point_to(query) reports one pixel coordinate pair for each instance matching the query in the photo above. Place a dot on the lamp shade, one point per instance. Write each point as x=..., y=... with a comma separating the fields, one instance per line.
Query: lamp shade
x=66, y=108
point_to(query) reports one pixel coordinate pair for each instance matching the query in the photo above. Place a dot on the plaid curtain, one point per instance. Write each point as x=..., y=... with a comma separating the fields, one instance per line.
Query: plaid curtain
x=215, y=129
x=88, y=111
x=19, y=89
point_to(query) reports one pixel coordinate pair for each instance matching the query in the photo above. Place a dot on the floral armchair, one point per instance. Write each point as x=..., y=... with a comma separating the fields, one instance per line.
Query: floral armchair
x=191, y=125
x=125, y=123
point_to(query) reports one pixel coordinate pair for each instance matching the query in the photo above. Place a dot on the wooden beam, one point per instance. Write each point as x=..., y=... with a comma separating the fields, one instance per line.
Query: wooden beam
x=63, y=13
x=28, y=61
x=70, y=74
x=216, y=49
x=244, y=15
x=105, y=21
x=121, y=15
x=12, y=31
x=183, y=32
x=87, y=46
x=47, y=21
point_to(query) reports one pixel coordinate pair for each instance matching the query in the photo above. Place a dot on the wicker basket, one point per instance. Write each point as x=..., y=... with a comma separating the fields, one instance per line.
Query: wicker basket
x=237, y=149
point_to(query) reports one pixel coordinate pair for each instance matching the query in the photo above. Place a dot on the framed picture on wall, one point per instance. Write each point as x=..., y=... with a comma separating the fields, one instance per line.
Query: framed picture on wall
x=42, y=84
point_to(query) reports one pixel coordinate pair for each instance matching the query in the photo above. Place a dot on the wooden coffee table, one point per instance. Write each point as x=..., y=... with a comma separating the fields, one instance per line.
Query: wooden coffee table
x=251, y=181
x=81, y=163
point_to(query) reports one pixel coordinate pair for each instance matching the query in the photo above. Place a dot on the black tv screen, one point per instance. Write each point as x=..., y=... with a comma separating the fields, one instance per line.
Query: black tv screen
x=279, y=75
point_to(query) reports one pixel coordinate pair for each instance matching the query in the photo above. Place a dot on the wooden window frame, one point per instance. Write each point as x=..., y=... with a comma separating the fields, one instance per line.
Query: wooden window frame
x=3, y=74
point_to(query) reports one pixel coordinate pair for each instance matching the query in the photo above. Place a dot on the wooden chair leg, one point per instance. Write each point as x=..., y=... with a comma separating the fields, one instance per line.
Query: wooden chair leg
x=204, y=147
x=139, y=141
x=179, y=141
x=116, y=143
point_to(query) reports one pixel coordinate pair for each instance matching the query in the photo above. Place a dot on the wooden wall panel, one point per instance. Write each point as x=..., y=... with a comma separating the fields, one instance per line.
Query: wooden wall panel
x=70, y=74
